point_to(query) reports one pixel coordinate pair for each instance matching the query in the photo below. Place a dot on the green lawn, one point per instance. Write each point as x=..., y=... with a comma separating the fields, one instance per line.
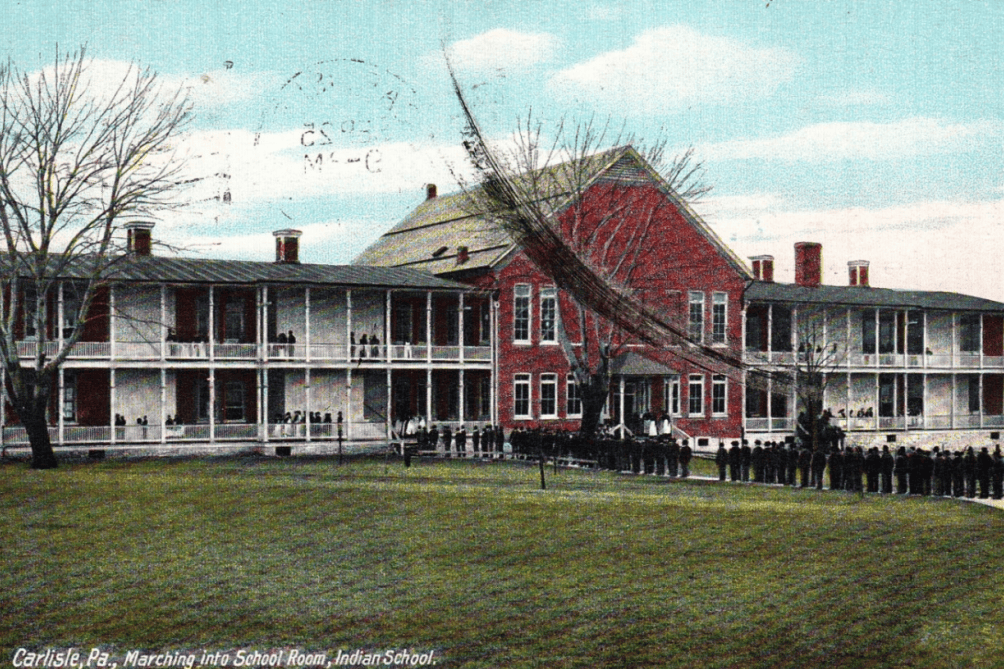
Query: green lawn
x=475, y=562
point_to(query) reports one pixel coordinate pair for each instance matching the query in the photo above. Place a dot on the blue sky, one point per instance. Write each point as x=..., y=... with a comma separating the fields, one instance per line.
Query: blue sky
x=874, y=128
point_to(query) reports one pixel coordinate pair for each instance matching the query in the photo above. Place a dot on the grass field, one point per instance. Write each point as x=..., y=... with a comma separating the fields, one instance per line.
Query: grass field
x=474, y=562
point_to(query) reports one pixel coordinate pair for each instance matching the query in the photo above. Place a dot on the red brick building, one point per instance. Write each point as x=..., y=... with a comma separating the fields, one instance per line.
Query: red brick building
x=657, y=248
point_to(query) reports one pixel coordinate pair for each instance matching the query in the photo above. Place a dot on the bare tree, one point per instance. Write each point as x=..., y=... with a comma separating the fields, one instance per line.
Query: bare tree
x=76, y=161
x=597, y=242
x=815, y=365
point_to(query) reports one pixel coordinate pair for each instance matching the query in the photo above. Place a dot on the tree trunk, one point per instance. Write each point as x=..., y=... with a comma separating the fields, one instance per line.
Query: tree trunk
x=594, y=396
x=42, y=455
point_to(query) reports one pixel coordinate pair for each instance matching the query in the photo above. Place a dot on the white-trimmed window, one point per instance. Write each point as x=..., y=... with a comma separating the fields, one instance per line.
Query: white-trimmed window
x=521, y=396
x=573, y=400
x=521, y=314
x=695, y=406
x=673, y=396
x=549, y=314
x=695, y=325
x=233, y=411
x=719, y=395
x=70, y=397
x=719, y=317
x=548, y=395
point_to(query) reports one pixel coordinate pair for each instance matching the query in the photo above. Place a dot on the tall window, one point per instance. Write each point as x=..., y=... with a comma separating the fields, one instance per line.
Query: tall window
x=233, y=325
x=486, y=324
x=70, y=397
x=887, y=331
x=719, y=317
x=719, y=405
x=201, y=392
x=521, y=396
x=696, y=400
x=30, y=308
x=548, y=395
x=868, y=331
x=969, y=333
x=673, y=396
x=548, y=314
x=780, y=328
x=485, y=397
x=696, y=324
x=71, y=308
x=573, y=402
x=521, y=314
x=234, y=409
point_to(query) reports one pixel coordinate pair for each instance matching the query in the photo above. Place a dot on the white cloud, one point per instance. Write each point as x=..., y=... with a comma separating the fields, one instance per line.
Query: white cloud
x=667, y=68
x=858, y=140
x=502, y=49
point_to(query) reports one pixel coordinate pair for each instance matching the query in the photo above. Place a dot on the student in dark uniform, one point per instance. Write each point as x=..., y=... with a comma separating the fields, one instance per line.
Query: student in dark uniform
x=836, y=470
x=735, y=462
x=969, y=467
x=818, y=464
x=674, y=457
x=792, y=463
x=984, y=468
x=888, y=465
x=958, y=475
x=902, y=470
x=476, y=442
x=747, y=460
x=804, y=465
x=873, y=468
x=756, y=460
x=447, y=438
x=685, y=455
x=722, y=460
x=998, y=473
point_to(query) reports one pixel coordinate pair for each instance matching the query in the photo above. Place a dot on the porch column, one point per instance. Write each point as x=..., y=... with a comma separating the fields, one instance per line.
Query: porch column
x=348, y=403
x=847, y=354
x=981, y=367
x=306, y=335
x=954, y=344
x=981, y=382
x=878, y=397
x=263, y=405
x=390, y=407
x=460, y=340
x=847, y=403
x=428, y=327
x=924, y=325
x=428, y=397
x=770, y=331
x=163, y=324
x=349, y=335
x=923, y=409
x=770, y=399
x=112, y=322
x=163, y=402
x=111, y=401
x=212, y=335
x=306, y=390
x=878, y=348
x=264, y=326
x=622, y=424
x=61, y=404
x=460, y=408
x=386, y=328
x=59, y=338
x=212, y=389
x=952, y=417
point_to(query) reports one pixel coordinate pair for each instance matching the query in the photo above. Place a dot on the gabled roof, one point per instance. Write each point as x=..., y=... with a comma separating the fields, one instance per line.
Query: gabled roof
x=859, y=296
x=157, y=269
x=429, y=237
x=635, y=364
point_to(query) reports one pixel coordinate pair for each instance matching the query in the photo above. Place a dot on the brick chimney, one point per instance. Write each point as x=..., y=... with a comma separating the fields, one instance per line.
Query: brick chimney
x=287, y=246
x=463, y=255
x=808, y=264
x=858, y=271
x=430, y=191
x=763, y=268
x=138, y=239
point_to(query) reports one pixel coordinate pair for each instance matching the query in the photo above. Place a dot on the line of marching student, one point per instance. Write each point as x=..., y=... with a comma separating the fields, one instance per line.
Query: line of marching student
x=916, y=471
